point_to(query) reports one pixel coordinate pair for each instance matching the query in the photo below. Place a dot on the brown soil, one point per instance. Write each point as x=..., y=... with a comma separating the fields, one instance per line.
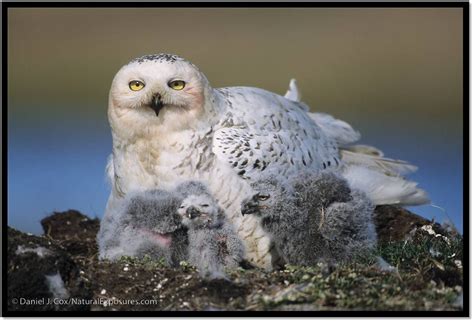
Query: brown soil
x=69, y=238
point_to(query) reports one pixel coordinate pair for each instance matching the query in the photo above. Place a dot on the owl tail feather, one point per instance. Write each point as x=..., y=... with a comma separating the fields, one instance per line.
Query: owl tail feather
x=370, y=157
x=293, y=93
x=383, y=189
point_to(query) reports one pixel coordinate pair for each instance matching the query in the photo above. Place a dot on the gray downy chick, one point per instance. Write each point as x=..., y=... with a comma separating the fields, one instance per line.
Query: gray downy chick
x=276, y=205
x=303, y=212
x=213, y=243
x=343, y=217
x=348, y=227
x=153, y=214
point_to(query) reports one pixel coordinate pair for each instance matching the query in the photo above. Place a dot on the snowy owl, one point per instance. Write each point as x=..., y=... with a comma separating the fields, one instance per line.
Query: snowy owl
x=169, y=125
x=312, y=217
x=147, y=223
x=213, y=243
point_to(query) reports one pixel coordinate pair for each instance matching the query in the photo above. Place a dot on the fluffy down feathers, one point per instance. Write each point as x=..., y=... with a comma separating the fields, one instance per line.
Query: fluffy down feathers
x=315, y=218
x=213, y=243
x=149, y=225
x=348, y=228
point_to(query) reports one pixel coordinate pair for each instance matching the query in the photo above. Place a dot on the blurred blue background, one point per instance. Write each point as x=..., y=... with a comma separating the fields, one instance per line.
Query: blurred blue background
x=394, y=74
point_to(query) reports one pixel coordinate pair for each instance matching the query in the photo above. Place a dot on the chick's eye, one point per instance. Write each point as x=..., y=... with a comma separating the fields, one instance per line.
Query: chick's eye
x=263, y=197
x=177, y=85
x=136, y=85
x=205, y=205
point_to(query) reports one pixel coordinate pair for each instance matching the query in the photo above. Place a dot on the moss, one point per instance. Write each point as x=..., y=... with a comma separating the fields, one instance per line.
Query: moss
x=427, y=275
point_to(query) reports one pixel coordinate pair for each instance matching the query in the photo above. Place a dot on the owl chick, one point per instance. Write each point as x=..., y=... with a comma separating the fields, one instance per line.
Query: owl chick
x=153, y=214
x=312, y=217
x=213, y=243
x=347, y=227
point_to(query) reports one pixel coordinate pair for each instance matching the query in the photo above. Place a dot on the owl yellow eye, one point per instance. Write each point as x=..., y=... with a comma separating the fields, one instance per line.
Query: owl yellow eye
x=136, y=85
x=177, y=85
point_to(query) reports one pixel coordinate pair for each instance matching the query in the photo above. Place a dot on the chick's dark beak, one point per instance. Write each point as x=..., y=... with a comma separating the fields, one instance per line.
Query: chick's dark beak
x=249, y=206
x=192, y=212
x=156, y=103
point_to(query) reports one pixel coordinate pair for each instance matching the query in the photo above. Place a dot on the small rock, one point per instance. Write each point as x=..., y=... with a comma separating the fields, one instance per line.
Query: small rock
x=458, y=263
x=384, y=266
x=459, y=301
x=292, y=294
x=39, y=268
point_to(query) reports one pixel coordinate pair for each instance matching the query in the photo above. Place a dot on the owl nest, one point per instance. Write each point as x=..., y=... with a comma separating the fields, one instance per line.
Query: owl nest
x=423, y=270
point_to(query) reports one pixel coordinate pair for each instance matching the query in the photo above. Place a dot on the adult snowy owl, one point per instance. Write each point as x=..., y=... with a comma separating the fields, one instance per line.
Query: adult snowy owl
x=169, y=125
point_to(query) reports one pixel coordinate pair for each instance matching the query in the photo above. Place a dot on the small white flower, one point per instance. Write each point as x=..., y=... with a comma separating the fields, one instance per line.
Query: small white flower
x=428, y=229
x=458, y=263
x=434, y=252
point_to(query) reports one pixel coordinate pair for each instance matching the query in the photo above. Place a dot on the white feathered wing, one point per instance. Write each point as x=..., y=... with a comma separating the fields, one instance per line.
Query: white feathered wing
x=365, y=167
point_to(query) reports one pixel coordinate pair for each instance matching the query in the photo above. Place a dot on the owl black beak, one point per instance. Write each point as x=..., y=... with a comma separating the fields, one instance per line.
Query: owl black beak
x=156, y=103
x=249, y=206
x=192, y=212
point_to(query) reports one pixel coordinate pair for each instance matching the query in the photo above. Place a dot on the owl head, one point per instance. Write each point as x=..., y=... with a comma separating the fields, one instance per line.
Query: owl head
x=270, y=193
x=157, y=91
x=199, y=211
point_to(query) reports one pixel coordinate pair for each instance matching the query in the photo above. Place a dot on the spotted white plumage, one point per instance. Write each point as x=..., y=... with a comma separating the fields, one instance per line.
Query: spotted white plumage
x=278, y=135
x=164, y=135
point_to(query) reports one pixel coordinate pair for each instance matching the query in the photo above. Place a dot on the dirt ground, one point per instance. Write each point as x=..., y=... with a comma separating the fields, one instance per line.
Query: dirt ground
x=423, y=270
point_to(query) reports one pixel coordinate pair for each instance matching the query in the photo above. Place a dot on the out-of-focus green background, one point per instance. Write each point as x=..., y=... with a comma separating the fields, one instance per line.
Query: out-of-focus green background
x=394, y=74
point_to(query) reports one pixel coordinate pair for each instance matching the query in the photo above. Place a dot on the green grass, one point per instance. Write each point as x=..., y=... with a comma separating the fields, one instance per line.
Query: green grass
x=426, y=275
